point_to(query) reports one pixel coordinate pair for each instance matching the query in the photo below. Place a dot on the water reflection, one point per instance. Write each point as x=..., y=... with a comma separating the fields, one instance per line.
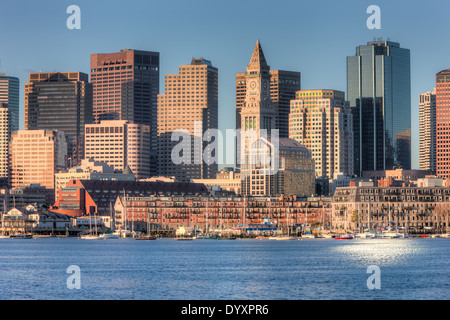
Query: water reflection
x=381, y=252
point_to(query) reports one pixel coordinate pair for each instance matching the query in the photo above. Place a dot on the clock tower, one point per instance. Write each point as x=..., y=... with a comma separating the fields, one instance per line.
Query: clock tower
x=257, y=122
x=258, y=111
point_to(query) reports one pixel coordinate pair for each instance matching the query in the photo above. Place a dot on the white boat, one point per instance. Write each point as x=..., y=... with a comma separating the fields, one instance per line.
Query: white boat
x=344, y=237
x=365, y=235
x=308, y=236
x=5, y=237
x=91, y=237
x=22, y=236
x=110, y=236
x=285, y=238
x=391, y=235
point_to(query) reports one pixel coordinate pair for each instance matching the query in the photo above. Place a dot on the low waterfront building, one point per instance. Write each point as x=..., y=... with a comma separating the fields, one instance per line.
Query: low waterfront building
x=432, y=181
x=22, y=196
x=92, y=170
x=19, y=220
x=406, y=176
x=369, y=206
x=84, y=197
x=226, y=180
x=34, y=194
x=209, y=213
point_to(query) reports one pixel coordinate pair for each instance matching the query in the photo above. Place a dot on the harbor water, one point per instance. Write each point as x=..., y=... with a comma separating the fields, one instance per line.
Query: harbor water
x=166, y=269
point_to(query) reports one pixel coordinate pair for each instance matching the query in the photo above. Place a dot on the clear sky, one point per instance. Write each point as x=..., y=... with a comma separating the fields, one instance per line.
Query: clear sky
x=313, y=37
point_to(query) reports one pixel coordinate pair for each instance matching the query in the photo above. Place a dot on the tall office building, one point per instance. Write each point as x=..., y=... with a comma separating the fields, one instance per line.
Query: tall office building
x=9, y=94
x=379, y=91
x=190, y=99
x=283, y=86
x=323, y=122
x=443, y=124
x=35, y=157
x=126, y=87
x=120, y=144
x=427, y=130
x=5, y=136
x=60, y=101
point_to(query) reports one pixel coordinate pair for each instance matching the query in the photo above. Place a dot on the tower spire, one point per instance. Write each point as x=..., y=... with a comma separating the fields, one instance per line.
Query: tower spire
x=258, y=61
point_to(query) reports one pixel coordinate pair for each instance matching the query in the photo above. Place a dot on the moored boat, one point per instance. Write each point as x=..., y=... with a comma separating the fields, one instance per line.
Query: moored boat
x=184, y=238
x=344, y=237
x=146, y=238
x=91, y=237
x=391, y=235
x=22, y=236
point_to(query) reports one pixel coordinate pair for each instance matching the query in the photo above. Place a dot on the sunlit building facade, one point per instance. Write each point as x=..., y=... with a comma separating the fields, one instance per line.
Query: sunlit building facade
x=322, y=121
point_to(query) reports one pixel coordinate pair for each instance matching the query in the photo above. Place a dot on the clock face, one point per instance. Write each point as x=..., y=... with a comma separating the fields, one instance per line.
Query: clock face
x=265, y=84
x=253, y=84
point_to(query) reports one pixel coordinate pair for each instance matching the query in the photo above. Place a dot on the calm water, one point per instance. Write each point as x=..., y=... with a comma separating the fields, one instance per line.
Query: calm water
x=211, y=269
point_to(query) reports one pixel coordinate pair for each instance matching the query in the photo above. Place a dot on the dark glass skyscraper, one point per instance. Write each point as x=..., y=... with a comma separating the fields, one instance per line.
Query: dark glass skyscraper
x=379, y=90
x=60, y=101
x=9, y=94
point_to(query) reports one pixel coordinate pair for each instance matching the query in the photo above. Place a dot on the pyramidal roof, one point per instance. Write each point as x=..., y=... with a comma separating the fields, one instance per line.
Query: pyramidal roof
x=258, y=61
x=127, y=170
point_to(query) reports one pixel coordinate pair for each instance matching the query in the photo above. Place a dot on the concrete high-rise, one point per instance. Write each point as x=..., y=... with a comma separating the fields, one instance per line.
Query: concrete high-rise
x=126, y=87
x=427, y=130
x=283, y=86
x=323, y=122
x=9, y=94
x=443, y=124
x=60, y=101
x=190, y=100
x=379, y=91
x=120, y=144
x=35, y=157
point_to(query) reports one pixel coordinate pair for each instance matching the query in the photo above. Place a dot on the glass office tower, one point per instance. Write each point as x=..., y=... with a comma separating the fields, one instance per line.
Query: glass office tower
x=379, y=91
x=9, y=94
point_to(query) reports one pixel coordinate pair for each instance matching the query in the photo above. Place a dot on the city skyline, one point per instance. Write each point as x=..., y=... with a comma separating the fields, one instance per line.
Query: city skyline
x=318, y=46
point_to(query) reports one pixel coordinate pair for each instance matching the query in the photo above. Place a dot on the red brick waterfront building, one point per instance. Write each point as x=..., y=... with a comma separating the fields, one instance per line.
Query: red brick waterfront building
x=220, y=213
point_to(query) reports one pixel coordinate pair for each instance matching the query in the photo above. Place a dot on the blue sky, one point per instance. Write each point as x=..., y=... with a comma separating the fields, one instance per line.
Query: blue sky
x=313, y=37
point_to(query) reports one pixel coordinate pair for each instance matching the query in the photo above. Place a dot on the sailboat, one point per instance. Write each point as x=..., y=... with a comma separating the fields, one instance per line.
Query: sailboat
x=288, y=235
x=92, y=236
x=110, y=234
x=147, y=236
x=221, y=226
x=206, y=235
